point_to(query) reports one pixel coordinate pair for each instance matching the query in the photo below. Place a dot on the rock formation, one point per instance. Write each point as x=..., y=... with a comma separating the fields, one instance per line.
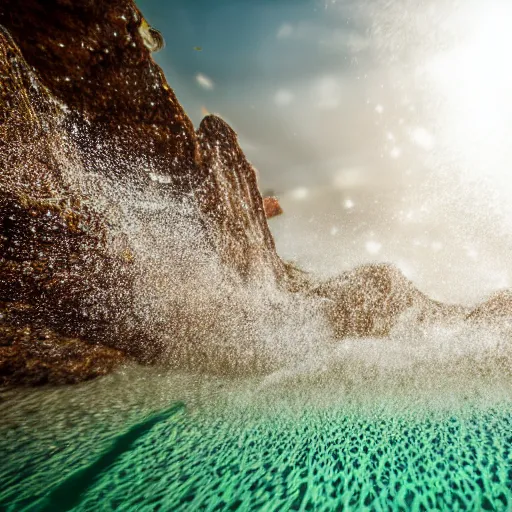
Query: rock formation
x=78, y=76
x=230, y=198
x=36, y=356
x=272, y=207
x=498, y=308
x=80, y=90
x=93, y=58
x=369, y=300
x=57, y=270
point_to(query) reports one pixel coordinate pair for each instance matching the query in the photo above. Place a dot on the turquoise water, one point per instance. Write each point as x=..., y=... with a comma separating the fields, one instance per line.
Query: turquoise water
x=145, y=441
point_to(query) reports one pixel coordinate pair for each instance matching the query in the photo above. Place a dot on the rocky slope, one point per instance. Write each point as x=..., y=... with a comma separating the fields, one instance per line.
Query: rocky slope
x=80, y=90
x=369, y=301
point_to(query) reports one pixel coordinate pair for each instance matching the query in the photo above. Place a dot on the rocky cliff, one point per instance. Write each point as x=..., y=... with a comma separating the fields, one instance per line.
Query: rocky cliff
x=83, y=102
x=80, y=89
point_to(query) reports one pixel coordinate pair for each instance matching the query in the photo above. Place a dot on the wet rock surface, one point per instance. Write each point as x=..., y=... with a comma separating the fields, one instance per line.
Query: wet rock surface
x=54, y=255
x=498, y=308
x=369, y=300
x=37, y=356
x=93, y=57
x=80, y=90
x=230, y=197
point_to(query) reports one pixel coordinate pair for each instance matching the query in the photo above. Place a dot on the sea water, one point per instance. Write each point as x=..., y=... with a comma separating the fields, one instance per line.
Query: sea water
x=365, y=428
x=417, y=421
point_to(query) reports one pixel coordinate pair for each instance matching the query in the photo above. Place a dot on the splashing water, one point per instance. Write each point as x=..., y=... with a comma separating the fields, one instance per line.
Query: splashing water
x=418, y=421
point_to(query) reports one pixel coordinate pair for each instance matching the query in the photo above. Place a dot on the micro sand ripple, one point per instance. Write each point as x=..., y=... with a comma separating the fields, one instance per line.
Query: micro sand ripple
x=285, y=442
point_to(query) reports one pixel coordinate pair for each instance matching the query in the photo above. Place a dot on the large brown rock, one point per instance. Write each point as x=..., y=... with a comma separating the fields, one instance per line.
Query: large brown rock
x=81, y=92
x=94, y=57
x=496, y=309
x=54, y=255
x=369, y=301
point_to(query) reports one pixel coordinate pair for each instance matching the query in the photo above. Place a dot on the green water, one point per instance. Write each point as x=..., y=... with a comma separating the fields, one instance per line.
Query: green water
x=147, y=441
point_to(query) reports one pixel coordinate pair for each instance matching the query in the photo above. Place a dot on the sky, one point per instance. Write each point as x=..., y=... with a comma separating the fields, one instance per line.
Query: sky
x=291, y=77
x=383, y=126
x=317, y=88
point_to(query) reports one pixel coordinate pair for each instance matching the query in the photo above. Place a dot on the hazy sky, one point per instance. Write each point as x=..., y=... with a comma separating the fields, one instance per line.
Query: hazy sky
x=383, y=125
x=295, y=78
x=320, y=88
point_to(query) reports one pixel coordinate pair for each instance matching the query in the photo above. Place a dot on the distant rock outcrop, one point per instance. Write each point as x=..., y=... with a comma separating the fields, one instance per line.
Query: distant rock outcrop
x=272, y=207
x=369, y=300
x=497, y=309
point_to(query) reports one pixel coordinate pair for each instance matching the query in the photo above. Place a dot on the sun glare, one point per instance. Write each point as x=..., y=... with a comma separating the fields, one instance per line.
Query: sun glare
x=472, y=83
